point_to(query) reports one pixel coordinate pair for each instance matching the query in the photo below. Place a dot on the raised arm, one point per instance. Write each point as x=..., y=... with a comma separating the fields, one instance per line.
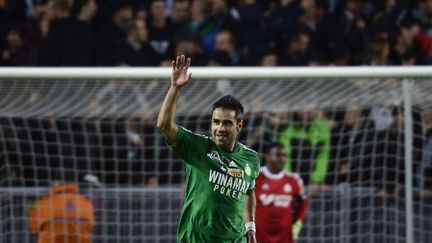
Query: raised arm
x=179, y=77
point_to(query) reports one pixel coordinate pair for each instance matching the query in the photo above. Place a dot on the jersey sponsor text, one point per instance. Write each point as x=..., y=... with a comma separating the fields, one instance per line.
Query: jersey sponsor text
x=228, y=185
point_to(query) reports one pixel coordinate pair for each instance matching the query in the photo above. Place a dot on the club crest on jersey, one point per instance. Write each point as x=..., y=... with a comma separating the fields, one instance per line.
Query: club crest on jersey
x=248, y=170
x=287, y=188
x=213, y=155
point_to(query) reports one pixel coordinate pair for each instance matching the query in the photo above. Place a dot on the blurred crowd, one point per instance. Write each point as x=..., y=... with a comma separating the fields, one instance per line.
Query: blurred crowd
x=215, y=32
x=360, y=147
x=357, y=146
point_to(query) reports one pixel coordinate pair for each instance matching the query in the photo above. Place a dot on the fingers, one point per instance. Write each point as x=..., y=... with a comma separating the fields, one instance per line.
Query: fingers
x=181, y=62
x=178, y=62
x=182, y=59
x=188, y=62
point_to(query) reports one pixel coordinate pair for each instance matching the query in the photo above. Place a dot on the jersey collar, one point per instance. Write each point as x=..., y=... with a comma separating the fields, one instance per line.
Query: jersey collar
x=270, y=175
x=234, y=151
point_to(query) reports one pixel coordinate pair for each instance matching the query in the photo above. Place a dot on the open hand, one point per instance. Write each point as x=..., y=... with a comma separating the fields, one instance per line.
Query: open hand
x=180, y=75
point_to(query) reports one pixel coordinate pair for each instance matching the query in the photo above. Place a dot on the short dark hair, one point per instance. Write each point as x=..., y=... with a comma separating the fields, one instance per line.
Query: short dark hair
x=269, y=147
x=232, y=103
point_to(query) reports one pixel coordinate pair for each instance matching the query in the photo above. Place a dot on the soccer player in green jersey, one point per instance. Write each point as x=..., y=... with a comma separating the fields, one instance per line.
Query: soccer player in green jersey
x=219, y=204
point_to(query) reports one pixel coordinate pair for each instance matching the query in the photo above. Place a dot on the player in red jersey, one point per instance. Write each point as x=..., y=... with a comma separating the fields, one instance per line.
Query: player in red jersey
x=281, y=200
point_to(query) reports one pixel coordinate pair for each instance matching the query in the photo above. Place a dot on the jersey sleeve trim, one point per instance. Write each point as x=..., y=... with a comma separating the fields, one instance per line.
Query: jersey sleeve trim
x=299, y=182
x=179, y=137
x=248, y=149
x=252, y=185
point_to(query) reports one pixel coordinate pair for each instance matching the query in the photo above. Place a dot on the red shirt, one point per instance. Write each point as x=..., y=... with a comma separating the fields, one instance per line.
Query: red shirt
x=275, y=196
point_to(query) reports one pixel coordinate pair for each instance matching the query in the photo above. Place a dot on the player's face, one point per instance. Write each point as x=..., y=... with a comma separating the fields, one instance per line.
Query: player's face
x=276, y=159
x=224, y=128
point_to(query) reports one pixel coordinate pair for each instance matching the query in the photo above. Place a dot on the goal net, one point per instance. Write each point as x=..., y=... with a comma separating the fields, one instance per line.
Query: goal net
x=349, y=139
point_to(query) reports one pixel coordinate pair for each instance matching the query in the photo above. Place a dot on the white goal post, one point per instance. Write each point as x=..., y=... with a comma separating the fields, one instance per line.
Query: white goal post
x=361, y=72
x=67, y=95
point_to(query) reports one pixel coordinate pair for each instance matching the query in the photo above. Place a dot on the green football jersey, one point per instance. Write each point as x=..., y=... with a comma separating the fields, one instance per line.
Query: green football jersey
x=217, y=184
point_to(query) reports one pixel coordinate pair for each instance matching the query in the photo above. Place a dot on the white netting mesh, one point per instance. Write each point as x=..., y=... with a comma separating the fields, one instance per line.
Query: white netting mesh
x=63, y=130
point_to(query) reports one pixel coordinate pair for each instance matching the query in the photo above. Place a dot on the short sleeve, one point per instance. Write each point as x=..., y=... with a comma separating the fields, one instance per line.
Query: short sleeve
x=300, y=186
x=189, y=146
x=252, y=185
x=255, y=174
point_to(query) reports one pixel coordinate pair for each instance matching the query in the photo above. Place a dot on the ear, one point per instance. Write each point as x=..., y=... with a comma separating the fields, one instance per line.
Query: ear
x=240, y=125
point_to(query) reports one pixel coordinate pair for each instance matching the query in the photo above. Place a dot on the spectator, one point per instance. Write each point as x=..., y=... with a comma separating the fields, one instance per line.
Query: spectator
x=281, y=200
x=17, y=52
x=377, y=53
x=390, y=152
x=165, y=62
x=355, y=138
x=180, y=14
x=409, y=58
x=10, y=150
x=281, y=19
x=307, y=142
x=5, y=21
x=381, y=115
x=212, y=18
x=269, y=59
x=153, y=176
x=13, y=18
x=202, y=25
x=199, y=15
x=338, y=32
x=386, y=18
x=220, y=59
x=140, y=154
x=70, y=41
x=345, y=28
x=254, y=54
x=113, y=32
x=54, y=10
x=63, y=215
x=425, y=169
x=248, y=24
x=312, y=11
x=368, y=157
x=406, y=44
x=160, y=30
x=319, y=21
x=269, y=125
x=187, y=43
x=297, y=50
x=135, y=50
x=225, y=15
x=356, y=24
x=424, y=42
x=225, y=41
x=419, y=11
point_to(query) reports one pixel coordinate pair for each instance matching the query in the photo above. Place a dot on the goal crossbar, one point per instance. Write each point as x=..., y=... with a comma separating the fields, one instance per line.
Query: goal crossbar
x=309, y=73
